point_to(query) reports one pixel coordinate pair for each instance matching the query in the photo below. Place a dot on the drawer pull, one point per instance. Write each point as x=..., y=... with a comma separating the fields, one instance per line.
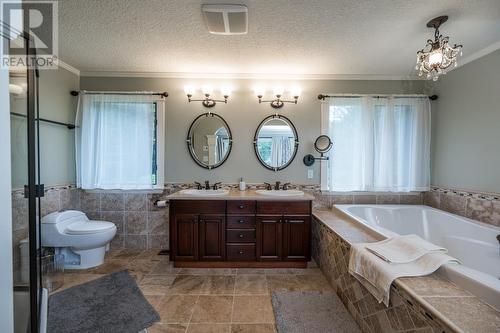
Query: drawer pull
x=240, y=235
x=241, y=206
x=241, y=221
x=240, y=252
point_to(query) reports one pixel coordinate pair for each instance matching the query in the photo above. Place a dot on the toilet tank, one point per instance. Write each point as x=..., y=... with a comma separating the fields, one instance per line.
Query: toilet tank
x=59, y=220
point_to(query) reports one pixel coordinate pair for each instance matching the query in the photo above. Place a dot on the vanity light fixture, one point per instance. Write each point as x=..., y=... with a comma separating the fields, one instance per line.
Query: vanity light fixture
x=207, y=91
x=437, y=57
x=278, y=92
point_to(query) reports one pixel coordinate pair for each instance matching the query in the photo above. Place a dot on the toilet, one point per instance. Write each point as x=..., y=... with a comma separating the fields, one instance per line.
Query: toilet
x=83, y=242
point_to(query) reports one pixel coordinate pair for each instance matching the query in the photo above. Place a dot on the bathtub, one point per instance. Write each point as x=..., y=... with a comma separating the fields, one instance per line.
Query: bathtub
x=473, y=243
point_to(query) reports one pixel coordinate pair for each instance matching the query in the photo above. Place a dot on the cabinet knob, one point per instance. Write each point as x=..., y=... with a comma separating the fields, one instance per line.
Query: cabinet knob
x=241, y=221
x=240, y=252
x=241, y=235
x=241, y=206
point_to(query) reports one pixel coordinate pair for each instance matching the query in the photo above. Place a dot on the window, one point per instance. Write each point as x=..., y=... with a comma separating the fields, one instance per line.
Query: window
x=119, y=142
x=379, y=143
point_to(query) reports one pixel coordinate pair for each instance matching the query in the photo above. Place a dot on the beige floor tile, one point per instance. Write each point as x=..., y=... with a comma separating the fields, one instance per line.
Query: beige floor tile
x=71, y=280
x=167, y=328
x=151, y=255
x=252, y=309
x=313, y=282
x=213, y=309
x=251, y=271
x=209, y=328
x=208, y=271
x=143, y=266
x=251, y=284
x=110, y=266
x=156, y=284
x=177, y=308
x=279, y=282
x=218, y=285
x=164, y=267
x=155, y=301
x=126, y=254
x=187, y=284
x=273, y=271
x=253, y=328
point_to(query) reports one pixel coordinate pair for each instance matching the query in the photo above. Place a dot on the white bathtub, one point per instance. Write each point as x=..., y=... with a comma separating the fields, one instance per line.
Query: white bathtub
x=473, y=243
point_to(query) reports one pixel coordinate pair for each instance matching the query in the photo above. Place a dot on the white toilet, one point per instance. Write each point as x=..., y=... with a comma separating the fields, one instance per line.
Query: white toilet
x=82, y=242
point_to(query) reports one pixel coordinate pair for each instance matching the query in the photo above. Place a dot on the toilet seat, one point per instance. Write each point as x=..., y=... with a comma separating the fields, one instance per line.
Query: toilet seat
x=88, y=227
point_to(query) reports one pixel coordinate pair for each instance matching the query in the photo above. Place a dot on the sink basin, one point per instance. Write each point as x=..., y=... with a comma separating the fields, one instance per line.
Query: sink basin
x=195, y=192
x=280, y=193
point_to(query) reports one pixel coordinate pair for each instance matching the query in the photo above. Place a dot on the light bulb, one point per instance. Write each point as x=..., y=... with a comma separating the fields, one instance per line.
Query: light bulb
x=207, y=89
x=435, y=58
x=259, y=91
x=278, y=91
x=226, y=90
x=189, y=90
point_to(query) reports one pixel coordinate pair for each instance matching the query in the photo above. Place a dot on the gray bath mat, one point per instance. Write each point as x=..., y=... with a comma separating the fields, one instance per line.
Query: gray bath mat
x=113, y=303
x=311, y=311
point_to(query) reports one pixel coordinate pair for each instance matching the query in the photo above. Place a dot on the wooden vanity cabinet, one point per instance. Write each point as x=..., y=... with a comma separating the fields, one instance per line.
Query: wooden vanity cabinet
x=241, y=233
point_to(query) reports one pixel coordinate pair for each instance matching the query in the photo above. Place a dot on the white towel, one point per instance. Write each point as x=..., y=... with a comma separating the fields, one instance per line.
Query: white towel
x=403, y=249
x=377, y=274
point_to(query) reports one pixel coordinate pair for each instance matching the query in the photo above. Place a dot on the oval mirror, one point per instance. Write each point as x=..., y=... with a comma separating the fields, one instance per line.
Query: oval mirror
x=276, y=142
x=323, y=144
x=209, y=140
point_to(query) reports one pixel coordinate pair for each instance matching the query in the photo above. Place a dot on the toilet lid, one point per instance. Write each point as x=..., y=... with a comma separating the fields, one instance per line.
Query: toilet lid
x=88, y=227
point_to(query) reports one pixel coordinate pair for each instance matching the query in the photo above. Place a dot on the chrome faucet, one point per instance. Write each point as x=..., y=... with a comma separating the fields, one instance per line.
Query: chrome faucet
x=207, y=185
x=277, y=186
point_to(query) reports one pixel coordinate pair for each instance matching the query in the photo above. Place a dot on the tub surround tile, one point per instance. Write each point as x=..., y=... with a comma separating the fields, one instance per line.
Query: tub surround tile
x=70, y=199
x=482, y=207
x=388, y=199
x=90, y=201
x=453, y=203
x=411, y=199
x=112, y=202
x=420, y=304
x=365, y=199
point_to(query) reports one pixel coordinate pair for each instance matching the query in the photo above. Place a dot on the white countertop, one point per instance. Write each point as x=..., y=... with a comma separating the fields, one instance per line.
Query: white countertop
x=239, y=195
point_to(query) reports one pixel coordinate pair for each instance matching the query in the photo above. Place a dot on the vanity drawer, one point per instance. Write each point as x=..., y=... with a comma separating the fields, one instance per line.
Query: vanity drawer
x=240, y=207
x=198, y=206
x=240, y=222
x=240, y=236
x=240, y=252
x=284, y=207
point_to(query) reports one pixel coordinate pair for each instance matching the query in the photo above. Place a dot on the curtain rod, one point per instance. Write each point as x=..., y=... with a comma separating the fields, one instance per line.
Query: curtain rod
x=77, y=92
x=323, y=96
x=69, y=126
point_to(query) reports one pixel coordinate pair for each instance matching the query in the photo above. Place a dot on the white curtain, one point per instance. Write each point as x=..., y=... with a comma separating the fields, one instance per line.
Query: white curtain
x=280, y=150
x=114, y=141
x=379, y=143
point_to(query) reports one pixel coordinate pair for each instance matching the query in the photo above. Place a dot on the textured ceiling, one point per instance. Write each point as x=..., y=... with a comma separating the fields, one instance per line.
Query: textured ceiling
x=315, y=37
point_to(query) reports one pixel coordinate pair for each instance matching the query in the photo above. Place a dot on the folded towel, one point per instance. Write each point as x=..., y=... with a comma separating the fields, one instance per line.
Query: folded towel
x=403, y=249
x=377, y=274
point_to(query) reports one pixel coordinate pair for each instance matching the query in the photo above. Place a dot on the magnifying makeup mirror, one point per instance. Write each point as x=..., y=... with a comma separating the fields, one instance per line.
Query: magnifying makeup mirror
x=323, y=144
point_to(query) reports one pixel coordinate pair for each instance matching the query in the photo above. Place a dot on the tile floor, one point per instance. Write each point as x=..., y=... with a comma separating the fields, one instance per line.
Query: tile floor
x=195, y=300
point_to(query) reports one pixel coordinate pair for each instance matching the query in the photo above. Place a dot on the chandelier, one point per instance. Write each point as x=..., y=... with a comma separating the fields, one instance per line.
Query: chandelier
x=437, y=57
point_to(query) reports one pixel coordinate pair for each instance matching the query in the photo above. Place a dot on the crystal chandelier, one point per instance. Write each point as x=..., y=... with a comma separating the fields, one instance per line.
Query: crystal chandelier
x=437, y=57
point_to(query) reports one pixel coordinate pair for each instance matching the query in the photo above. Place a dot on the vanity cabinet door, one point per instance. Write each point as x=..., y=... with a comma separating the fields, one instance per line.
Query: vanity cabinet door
x=185, y=237
x=269, y=238
x=212, y=231
x=296, y=237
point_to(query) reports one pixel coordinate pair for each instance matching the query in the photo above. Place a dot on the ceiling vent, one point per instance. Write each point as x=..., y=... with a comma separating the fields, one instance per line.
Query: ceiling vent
x=226, y=19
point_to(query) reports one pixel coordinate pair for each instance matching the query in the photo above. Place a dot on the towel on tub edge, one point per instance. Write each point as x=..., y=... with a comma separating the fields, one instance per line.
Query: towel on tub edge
x=403, y=249
x=377, y=275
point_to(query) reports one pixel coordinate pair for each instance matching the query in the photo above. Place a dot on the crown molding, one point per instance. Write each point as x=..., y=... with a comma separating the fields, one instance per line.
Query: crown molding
x=481, y=53
x=68, y=67
x=255, y=76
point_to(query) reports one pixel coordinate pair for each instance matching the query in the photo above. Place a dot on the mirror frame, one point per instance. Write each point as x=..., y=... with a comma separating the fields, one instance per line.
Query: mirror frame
x=189, y=141
x=330, y=144
x=296, y=144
